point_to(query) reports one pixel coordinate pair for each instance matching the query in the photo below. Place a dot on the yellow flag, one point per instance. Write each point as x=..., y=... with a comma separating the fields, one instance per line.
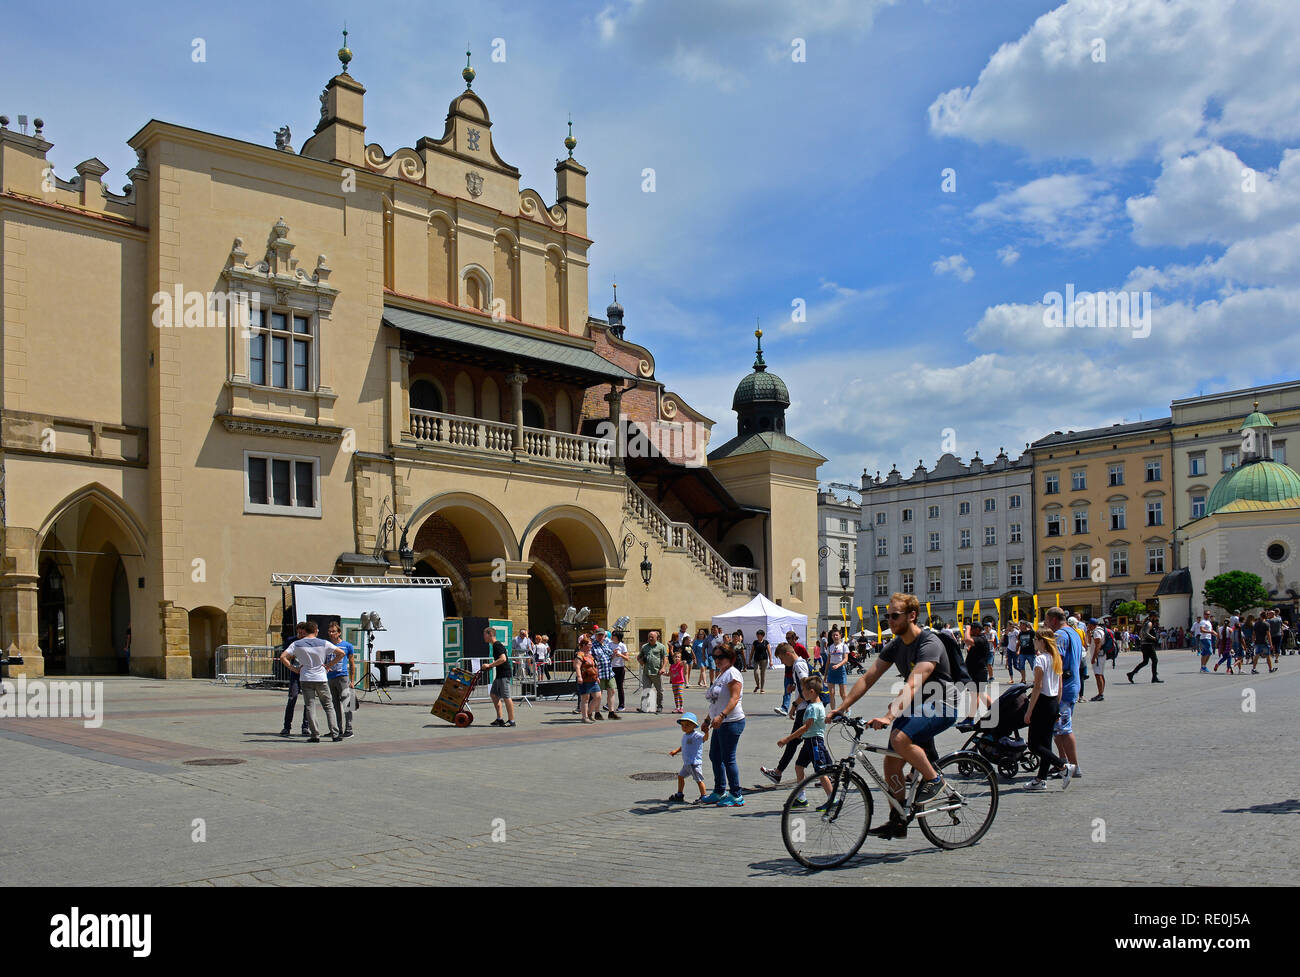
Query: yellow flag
x=1035, y=613
x=880, y=637
x=975, y=612
x=1015, y=607
x=998, y=605
x=928, y=616
x=1058, y=600
x=860, y=621
x=961, y=608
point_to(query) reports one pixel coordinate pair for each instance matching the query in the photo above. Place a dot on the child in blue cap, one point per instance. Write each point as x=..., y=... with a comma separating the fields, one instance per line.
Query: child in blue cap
x=692, y=753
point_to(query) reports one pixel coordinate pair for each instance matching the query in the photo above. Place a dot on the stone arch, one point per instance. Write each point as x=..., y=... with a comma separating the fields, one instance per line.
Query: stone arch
x=463, y=391
x=444, y=567
x=585, y=537
x=207, y=633
x=506, y=270
x=536, y=417
x=553, y=273
x=442, y=258
x=563, y=412
x=490, y=408
x=110, y=502
x=486, y=531
x=476, y=287
x=425, y=390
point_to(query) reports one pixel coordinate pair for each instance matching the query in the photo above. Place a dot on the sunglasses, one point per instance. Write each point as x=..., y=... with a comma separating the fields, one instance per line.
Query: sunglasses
x=894, y=614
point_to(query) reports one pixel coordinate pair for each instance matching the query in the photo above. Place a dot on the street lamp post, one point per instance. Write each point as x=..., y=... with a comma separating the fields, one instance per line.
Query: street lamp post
x=404, y=551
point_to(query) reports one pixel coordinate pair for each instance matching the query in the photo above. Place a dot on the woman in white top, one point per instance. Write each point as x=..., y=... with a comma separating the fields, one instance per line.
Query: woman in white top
x=542, y=656
x=1044, y=706
x=618, y=661
x=726, y=721
x=836, y=654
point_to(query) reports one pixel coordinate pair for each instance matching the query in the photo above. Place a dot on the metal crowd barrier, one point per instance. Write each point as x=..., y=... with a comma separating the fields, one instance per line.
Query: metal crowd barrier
x=258, y=665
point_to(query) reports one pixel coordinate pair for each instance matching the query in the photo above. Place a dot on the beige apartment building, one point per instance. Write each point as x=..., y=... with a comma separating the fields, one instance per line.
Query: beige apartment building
x=1104, y=502
x=257, y=359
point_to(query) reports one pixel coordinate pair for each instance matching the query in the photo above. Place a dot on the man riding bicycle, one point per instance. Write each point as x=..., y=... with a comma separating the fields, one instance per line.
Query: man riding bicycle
x=925, y=707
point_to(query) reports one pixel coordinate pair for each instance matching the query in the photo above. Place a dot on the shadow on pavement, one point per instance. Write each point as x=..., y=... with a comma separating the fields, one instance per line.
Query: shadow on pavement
x=1277, y=807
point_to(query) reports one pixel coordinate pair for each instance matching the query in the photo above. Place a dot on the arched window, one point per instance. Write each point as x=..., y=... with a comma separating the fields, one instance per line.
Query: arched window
x=425, y=396
x=52, y=617
x=533, y=416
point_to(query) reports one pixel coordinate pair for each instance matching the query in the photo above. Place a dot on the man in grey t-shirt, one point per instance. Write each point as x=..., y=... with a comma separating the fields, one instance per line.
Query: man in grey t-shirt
x=313, y=656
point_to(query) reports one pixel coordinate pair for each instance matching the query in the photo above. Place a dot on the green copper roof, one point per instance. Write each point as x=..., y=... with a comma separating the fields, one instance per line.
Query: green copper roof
x=1256, y=419
x=760, y=387
x=744, y=444
x=1255, y=481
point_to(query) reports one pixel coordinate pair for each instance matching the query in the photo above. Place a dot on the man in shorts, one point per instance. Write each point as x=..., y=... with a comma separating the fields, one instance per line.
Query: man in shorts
x=1098, y=648
x=1071, y=649
x=1025, y=649
x=500, y=690
x=925, y=707
x=605, y=672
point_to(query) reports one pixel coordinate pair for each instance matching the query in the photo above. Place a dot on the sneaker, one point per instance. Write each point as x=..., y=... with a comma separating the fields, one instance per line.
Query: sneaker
x=700, y=800
x=306, y=732
x=799, y=802
x=1065, y=778
x=677, y=798
x=347, y=732
x=597, y=715
x=1129, y=676
x=1204, y=669
x=589, y=721
x=510, y=722
x=891, y=829
x=313, y=739
x=336, y=738
x=732, y=800
x=286, y=731
x=612, y=715
x=928, y=793
x=1036, y=784
x=770, y=774
x=1098, y=698
x=1254, y=671
x=1157, y=681
x=779, y=711
x=823, y=807
x=497, y=722
x=967, y=725
x=712, y=798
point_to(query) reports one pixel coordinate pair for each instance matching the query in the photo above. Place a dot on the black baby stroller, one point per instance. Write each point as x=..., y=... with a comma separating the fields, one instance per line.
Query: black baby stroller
x=996, y=738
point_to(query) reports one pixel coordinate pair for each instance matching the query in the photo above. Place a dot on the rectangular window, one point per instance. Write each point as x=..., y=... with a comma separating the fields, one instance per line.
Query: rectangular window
x=1229, y=459
x=1015, y=574
x=1196, y=464
x=1014, y=533
x=934, y=512
x=934, y=581
x=1078, y=480
x=279, y=354
x=1080, y=522
x=882, y=585
x=882, y=546
x=990, y=536
x=964, y=539
x=844, y=523
x=1013, y=502
x=1155, y=514
x=907, y=543
x=990, y=505
x=1052, y=485
x=963, y=509
x=1119, y=563
x=880, y=519
x=844, y=553
x=283, y=485
x=964, y=576
x=990, y=581
x=1053, y=568
x=1155, y=559
x=908, y=584
x=907, y=515
x=1082, y=566
x=1116, y=473
x=1053, y=525
x=1198, y=506
x=1279, y=452
x=934, y=542
x=1117, y=517
x=1153, y=470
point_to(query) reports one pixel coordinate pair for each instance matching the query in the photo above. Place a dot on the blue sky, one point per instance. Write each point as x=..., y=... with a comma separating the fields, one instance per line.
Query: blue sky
x=821, y=180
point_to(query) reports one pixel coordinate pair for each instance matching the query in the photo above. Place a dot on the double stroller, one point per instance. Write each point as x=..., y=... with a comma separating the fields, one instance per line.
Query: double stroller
x=996, y=738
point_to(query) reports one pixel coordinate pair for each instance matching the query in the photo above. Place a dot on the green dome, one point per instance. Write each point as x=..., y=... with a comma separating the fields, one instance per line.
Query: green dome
x=1256, y=419
x=1255, y=481
x=760, y=387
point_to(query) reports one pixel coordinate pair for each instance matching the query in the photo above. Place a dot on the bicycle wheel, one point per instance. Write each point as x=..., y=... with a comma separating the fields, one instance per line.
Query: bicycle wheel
x=971, y=789
x=826, y=839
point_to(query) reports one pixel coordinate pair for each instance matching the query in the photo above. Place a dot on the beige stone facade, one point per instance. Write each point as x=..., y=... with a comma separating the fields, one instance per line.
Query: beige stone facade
x=412, y=339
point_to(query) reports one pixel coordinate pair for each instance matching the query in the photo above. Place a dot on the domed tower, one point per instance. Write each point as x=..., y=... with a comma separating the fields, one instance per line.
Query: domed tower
x=1258, y=478
x=761, y=397
x=614, y=316
x=766, y=469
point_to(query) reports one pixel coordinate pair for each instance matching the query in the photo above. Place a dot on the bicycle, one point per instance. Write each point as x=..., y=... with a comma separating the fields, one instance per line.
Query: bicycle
x=958, y=818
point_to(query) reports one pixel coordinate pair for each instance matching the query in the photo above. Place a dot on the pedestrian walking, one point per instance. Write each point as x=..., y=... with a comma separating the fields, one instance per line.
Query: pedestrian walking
x=604, y=674
x=811, y=737
x=1204, y=632
x=758, y=657
x=677, y=679
x=1101, y=641
x=796, y=670
x=653, y=658
x=1070, y=649
x=500, y=690
x=837, y=653
x=1043, y=710
x=1148, y=638
x=726, y=721
x=691, y=751
x=1263, y=643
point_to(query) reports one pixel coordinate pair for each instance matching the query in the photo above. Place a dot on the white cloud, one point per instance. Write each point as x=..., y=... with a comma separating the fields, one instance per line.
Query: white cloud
x=1068, y=209
x=955, y=265
x=1213, y=196
x=1175, y=72
x=1008, y=255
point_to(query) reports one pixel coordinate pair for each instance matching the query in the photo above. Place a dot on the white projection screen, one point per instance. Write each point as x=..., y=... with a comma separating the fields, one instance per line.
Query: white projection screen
x=412, y=614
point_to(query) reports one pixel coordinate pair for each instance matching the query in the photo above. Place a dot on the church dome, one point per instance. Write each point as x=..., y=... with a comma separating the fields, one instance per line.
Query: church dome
x=1255, y=481
x=760, y=387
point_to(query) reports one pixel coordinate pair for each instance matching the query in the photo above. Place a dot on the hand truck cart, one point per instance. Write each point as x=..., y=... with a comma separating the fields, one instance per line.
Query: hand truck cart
x=456, y=690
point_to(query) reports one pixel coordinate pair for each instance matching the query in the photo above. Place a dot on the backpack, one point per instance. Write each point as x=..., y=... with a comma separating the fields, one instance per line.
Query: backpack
x=1109, y=647
x=956, y=660
x=589, y=670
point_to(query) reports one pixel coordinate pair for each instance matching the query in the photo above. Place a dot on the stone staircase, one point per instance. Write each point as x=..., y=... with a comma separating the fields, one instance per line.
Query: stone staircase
x=681, y=537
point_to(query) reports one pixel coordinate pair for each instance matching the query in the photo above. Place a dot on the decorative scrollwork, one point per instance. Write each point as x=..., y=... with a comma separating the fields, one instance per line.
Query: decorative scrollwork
x=532, y=206
x=645, y=369
x=669, y=408
x=406, y=163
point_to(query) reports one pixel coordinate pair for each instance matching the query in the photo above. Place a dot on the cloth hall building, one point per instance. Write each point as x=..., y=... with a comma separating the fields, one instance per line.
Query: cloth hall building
x=257, y=359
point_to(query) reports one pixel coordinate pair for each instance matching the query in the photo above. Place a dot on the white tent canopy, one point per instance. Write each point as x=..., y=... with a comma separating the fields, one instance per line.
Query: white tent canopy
x=762, y=613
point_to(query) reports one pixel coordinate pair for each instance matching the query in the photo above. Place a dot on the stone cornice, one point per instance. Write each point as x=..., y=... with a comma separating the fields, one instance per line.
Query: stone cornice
x=268, y=427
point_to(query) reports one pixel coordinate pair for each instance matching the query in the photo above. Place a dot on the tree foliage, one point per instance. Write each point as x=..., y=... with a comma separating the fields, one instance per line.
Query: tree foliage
x=1235, y=591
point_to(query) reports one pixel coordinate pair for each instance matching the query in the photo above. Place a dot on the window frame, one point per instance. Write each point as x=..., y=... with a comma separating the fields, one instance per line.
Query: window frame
x=263, y=333
x=271, y=508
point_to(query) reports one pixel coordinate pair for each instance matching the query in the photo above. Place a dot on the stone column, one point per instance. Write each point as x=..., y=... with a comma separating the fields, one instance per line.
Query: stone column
x=18, y=601
x=517, y=381
x=615, y=400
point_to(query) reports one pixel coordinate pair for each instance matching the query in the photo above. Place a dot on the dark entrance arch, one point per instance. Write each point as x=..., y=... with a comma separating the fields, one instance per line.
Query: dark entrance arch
x=426, y=396
x=52, y=618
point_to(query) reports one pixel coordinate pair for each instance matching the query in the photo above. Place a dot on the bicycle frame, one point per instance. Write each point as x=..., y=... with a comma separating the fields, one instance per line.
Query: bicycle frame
x=902, y=809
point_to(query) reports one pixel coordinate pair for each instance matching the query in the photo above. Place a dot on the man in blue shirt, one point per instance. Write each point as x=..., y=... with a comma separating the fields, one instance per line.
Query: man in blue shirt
x=1071, y=649
x=340, y=680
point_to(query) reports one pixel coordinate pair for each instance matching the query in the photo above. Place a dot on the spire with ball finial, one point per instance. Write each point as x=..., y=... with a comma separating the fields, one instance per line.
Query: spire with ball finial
x=759, y=364
x=467, y=73
x=570, y=143
x=614, y=315
x=345, y=53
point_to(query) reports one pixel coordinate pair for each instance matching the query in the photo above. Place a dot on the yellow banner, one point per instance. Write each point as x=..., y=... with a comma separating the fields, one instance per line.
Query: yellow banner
x=961, y=612
x=928, y=615
x=880, y=637
x=1058, y=601
x=997, y=603
x=1035, y=613
x=1015, y=607
x=861, y=624
x=975, y=612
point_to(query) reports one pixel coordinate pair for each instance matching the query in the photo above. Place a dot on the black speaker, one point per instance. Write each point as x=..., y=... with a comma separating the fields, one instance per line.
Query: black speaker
x=474, y=645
